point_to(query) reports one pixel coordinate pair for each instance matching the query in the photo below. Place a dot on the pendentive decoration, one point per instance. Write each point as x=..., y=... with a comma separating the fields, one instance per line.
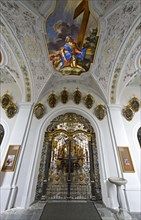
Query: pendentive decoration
x=100, y=111
x=6, y=100
x=39, y=110
x=135, y=104
x=128, y=112
x=11, y=110
x=64, y=96
x=77, y=96
x=52, y=100
x=89, y=101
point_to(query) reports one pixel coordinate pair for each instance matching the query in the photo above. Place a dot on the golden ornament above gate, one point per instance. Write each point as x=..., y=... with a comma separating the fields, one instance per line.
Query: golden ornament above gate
x=77, y=96
x=64, y=96
x=89, y=101
x=52, y=100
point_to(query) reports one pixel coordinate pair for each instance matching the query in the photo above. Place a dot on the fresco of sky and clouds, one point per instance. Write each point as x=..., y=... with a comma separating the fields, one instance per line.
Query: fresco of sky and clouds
x=60, y=24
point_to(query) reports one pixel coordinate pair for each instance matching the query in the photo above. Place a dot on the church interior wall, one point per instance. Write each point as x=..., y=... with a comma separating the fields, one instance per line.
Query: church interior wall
x=32, y=147
x=32, y=79
x=32, y=154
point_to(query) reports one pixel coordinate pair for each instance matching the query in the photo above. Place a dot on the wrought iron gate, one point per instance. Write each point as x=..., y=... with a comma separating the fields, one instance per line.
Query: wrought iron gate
x=69, y=169
x=69, y=161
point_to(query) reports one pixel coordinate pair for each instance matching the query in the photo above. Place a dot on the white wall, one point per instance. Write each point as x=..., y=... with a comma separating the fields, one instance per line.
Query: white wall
x=29, y=170
x=16, y=136
x=124, y=136
x=18, y=188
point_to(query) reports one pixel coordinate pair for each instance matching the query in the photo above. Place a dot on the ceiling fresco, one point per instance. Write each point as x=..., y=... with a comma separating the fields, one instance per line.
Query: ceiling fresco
x=37, y=31
x=71, y=37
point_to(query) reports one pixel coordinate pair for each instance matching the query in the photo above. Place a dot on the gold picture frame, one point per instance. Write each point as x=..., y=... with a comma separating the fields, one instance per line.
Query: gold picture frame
x=11, y=158
x=77, y=96
x=100, y=111
x=89, y=101
x=64, y=96
x=39, y=110
x=6, y=101
x=135, y=104
x=52, y=100
x=126, y=160
x=128, y=113
x=11, y=110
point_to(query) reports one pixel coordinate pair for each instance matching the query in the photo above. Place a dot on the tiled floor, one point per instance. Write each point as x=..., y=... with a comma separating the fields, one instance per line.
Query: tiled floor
x=35, y=211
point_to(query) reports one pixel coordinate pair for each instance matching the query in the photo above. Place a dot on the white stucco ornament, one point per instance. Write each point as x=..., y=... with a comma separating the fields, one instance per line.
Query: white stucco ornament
x=32, y=47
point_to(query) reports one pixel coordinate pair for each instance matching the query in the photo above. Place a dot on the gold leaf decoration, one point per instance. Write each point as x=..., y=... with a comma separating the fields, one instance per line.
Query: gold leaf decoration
x=128, y=112
x=39, y=110
x=52, y=100
x=89, y=101
x=77, y=96
x=100, y=111
x=64, y=96
x=6, y=100
x=135, y=104
x=11, y=110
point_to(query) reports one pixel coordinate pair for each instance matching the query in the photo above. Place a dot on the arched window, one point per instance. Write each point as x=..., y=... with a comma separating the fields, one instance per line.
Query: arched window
x=1, y=133
x=139, y=136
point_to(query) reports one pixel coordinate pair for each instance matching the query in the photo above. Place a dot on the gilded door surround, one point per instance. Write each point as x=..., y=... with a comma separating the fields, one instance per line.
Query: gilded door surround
x=51, y=131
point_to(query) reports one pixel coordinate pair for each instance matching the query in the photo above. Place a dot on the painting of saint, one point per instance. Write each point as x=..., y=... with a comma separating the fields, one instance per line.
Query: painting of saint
x=71, y=37
x=10, y=160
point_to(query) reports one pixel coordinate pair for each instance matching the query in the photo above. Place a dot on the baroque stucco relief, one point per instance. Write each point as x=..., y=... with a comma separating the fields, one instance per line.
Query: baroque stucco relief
x=118, y=24
x=23, y=24
x=18, y=63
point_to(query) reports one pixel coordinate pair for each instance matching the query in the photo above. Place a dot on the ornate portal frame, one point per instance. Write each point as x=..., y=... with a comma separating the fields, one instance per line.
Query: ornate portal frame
x=72, y=119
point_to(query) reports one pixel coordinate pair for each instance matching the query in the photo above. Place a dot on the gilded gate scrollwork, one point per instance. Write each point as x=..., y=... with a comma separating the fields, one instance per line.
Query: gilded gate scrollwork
x=69, y=160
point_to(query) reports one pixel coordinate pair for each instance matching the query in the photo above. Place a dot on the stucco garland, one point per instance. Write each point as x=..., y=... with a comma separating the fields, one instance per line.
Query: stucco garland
x=118, y=24
x=11, y=41
x=120, y=63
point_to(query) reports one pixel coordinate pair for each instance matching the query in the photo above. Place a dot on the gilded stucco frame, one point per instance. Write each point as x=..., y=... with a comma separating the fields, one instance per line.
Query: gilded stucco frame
x=11, y=158
x=126, y=160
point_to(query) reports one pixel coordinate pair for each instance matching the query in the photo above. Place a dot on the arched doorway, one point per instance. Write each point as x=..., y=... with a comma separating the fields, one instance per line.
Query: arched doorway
x=69, y=162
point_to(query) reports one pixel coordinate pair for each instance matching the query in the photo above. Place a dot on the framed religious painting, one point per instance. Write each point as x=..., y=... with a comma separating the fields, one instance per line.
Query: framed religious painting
x=71, y=37
x=11, y=158
x=126, y=160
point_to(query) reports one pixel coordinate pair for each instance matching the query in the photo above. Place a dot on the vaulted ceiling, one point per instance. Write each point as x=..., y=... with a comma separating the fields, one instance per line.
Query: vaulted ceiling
x=28, y=74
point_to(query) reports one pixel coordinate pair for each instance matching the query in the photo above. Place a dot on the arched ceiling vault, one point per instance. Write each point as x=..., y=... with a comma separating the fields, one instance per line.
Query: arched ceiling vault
x=125, y=69
x=118, y=33
x=15, y=65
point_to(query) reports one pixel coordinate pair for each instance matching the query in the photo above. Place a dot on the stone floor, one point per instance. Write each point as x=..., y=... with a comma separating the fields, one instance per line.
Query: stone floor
x=35, y=211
